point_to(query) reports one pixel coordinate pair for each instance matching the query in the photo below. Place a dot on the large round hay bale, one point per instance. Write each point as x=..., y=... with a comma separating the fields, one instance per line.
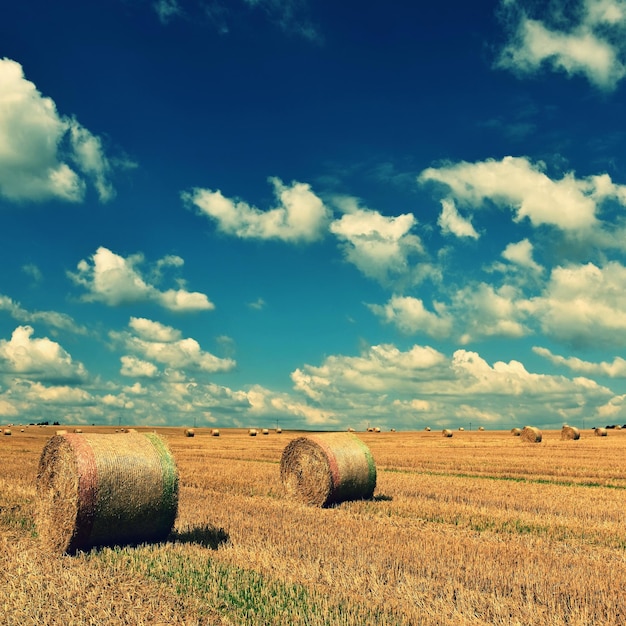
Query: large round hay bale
x=7, y=431
x=252, y=432
x=190, y=432
x=328, y=468
x=570, y=433
x=516, y=432
x=266, y=431
x=427, y=429
x=481, y=428
x=446, y=432
x=98, y=490
x=531, y=434
x=215, y=432
x=279, y=430
x=601, y=432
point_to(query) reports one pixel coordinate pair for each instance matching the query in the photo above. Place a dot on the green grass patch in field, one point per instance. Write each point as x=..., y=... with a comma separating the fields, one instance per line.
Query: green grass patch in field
x=244, y=596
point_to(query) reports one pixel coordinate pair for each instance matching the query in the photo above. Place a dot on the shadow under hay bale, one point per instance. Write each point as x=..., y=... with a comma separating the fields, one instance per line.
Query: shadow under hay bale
x=206, y=535
x=328, y=468
x=102, y=490
x=531, y=434
x=446, y=432
x=570, y=433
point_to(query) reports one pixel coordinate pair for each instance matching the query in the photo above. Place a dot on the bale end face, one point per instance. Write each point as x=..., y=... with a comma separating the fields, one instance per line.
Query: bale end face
x=328, y=468
x=531, y=434
x=570, y=433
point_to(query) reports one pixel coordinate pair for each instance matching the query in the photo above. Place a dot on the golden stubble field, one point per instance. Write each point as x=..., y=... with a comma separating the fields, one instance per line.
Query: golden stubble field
x=480, y=528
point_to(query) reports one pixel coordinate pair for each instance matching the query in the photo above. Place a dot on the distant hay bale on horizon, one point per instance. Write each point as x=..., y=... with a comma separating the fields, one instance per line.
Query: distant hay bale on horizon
x=61, y=432
x=427, y=429
x=446, y=432
x=190, y=432
x=570, y=433
x=516, y=432
x=279, y=430
x=461, y=428
x=531, y=434
x=78, y=430
x=265, y=431
x=481, y=428
x=7, y=432
x=215, y=432
x=101, y=490
x=328, y=468
x=601, y=432
x=252, y=432
x=350, y=429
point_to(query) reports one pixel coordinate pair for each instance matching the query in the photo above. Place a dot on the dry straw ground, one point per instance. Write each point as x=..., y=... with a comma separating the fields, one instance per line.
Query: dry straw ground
x=482, y=528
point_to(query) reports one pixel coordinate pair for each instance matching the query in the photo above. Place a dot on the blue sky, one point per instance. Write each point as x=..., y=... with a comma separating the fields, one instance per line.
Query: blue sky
x=313, y=214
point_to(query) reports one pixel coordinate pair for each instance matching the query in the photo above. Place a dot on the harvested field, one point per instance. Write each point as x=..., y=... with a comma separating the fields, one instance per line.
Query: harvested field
x=479, y=529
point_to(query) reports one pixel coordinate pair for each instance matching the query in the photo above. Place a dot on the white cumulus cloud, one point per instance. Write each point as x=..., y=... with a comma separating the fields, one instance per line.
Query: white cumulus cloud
x=115, y=280
x=299, y=217
x=593, y=47
x=153, y=341
x=584, y=305
x=570, y=203
x=43, y=154
x=38, y=359
x=379, y=246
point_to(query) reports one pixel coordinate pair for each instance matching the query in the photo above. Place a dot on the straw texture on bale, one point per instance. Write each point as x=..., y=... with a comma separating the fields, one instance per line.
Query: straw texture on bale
x=328, y=468
x=570, y=433
x=446, y=432
x=190, y=432
x=531, y=434
x=601, y=432
x=98, y=490
x=516, y=432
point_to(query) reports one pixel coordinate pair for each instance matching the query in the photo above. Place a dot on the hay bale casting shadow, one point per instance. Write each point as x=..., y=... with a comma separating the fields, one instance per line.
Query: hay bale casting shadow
x=328, y=468
x=570, y=433
x=101, y=490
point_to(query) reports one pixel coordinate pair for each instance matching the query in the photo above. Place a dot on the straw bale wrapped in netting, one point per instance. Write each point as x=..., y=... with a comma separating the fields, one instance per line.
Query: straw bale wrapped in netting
x=600, y=432
x=98, y=490
x=516, y=432
x=328, y=468
x=446, y=432
x=570, y=433
x=531, y=434
x=190, y=432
